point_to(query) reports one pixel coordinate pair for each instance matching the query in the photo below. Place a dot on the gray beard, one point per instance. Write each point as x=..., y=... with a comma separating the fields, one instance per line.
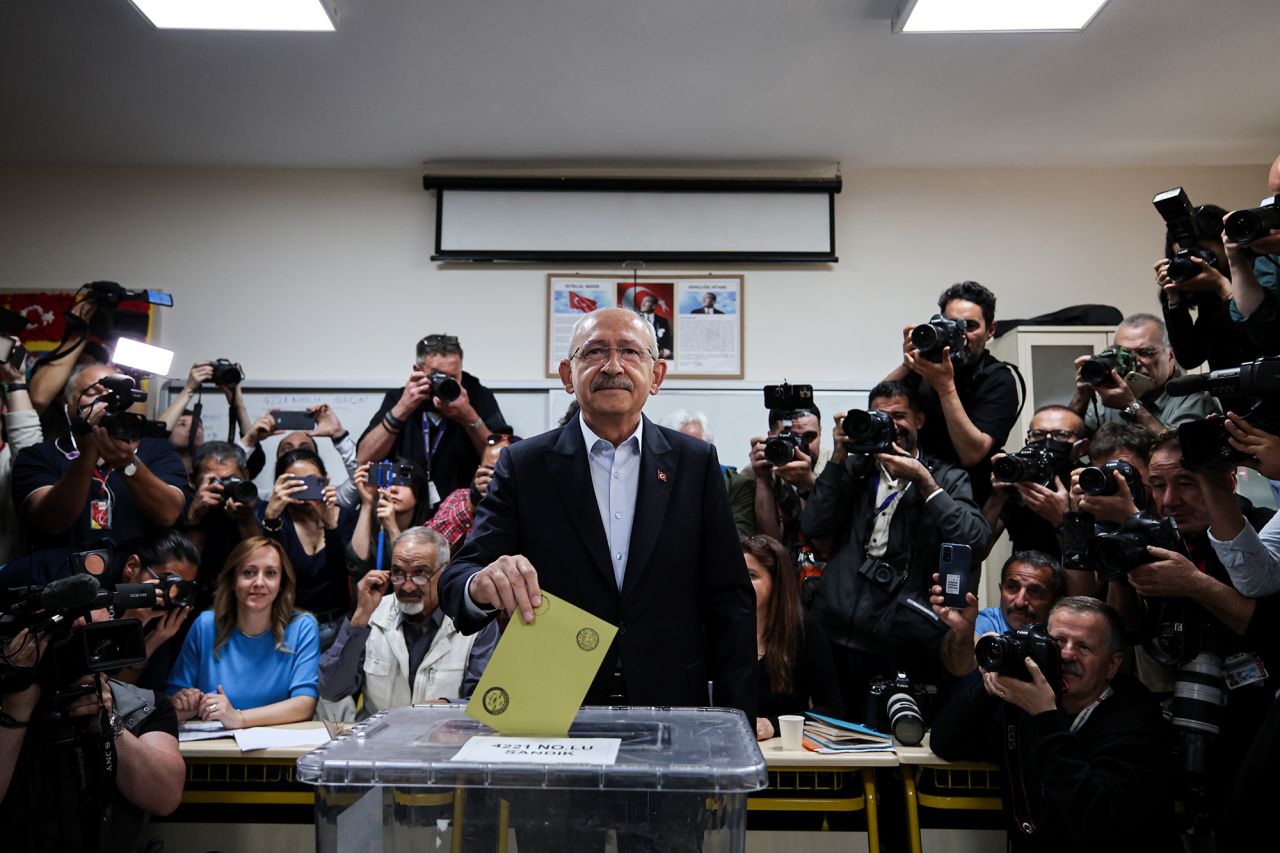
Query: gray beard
x=410, y=608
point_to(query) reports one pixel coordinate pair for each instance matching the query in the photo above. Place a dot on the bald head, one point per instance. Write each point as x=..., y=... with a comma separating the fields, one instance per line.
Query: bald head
x=609, y=317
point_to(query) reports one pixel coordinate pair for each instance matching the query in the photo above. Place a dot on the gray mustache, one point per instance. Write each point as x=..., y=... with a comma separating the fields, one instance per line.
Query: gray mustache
x=606, y=381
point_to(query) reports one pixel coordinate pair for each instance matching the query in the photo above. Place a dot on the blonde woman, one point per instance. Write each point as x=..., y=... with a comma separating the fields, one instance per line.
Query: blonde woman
x=253, y=660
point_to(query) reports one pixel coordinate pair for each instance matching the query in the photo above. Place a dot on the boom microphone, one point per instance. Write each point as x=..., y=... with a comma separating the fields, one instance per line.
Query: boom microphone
x=69, y=593
x=1252, y=379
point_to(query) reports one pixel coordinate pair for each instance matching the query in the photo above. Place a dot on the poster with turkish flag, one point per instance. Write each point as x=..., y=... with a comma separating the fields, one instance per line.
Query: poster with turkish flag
x=654, y=301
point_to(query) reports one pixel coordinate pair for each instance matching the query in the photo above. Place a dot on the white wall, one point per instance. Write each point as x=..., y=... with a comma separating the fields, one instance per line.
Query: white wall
x=309, y=275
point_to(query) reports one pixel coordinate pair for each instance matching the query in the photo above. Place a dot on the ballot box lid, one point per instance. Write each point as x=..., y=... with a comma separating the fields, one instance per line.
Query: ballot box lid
x=658, y=749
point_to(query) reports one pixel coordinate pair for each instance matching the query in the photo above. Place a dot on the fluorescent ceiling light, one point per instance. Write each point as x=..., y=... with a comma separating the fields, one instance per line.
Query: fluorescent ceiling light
x=986, y=16
x=143, y=357
x=276, y=15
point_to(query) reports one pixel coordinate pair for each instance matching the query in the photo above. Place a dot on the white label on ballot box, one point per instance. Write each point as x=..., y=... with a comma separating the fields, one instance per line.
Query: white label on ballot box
x=540, y=750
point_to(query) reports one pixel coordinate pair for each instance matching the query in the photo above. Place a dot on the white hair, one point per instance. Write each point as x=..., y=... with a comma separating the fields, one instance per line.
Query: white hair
x=1137, y=321
x=424, y=536
x=678, y=419
x=650, y=335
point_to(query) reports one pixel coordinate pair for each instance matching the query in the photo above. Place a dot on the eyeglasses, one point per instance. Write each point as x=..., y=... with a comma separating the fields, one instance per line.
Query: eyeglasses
x=400, y=578
x=1144, y=352
x=596, y=354
x=1060, y=434
x=808, y=437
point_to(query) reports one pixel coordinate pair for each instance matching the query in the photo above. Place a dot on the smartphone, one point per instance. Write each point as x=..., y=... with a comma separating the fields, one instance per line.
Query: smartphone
x=953, y=573
x=384, y=474
x=314, y=490
x=294, y=420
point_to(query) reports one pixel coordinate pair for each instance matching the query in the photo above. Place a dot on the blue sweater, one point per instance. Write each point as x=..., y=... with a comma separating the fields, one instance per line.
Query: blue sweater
x=252, y=671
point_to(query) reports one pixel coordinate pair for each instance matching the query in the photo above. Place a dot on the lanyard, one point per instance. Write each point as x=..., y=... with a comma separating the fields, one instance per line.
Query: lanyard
x=1083, y=716
x=888, y=498
x=430, y=445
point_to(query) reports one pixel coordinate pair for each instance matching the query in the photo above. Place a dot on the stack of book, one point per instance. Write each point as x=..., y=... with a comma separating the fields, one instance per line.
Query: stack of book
x=829, y=735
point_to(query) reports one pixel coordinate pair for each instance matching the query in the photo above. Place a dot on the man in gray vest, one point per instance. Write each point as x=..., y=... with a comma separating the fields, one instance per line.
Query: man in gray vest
x=401, y=649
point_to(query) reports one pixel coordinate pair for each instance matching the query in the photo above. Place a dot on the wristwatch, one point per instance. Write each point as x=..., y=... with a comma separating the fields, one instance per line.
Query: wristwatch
x=116, y=723
x=1130, y=412
x=130, y=469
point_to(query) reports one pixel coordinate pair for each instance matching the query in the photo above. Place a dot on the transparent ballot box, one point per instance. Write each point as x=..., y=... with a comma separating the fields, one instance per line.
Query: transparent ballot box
x=429, y=777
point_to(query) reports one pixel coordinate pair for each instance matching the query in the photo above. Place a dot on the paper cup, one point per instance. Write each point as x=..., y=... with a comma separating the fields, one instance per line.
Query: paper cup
x=792, y=733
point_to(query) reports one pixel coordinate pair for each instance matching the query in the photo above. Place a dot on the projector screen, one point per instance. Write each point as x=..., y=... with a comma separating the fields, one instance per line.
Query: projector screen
x=639, y=224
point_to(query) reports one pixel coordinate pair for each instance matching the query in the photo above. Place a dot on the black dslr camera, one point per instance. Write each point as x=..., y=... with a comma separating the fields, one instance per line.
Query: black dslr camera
x=897, y=705
x=226, y=373
x=931, y=338
x=782, y=448
x=1206, y=443
x=1007, y=653
x=1113, y=555
x=1097, y=480
x=119, y=422
x=444, y=386
x=1245, y=226
x=110, y=320
x=235, y=489
x=1038, y=462
x=871, y=431
x=1186, y=226
x=1097, y=370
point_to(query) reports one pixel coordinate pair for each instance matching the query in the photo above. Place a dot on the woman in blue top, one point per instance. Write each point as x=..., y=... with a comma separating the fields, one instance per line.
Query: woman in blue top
x=253, y=660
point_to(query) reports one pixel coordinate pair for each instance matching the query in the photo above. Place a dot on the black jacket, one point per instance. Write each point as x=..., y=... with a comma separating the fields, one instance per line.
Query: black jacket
x=1107, y=787
x=686, y=611
x=840, y=505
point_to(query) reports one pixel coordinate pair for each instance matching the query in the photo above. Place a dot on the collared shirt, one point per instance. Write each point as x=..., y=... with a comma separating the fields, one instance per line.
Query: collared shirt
x=888, y=495
x=615, y=476
x=1252, y=558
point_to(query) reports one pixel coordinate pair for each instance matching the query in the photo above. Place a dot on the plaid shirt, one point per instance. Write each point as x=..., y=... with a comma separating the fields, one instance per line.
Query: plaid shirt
x=453, y=518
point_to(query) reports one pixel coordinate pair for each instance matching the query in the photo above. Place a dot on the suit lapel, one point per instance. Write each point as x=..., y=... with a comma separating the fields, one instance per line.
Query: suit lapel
x=658, y=464
x=571, y=474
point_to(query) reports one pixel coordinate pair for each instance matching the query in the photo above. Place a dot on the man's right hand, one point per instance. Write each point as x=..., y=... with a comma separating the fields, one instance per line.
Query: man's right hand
x=509, y=583
x=960, y=620
x=840, y=450
x=200, y=373
x=1114, y=508
x=208, y=496
x=369, y=594
x=417, y=391
x=759, y=463
x=262, y=428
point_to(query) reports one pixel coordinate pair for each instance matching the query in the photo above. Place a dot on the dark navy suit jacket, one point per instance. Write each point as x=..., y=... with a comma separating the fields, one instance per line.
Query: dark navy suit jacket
x=686, y=611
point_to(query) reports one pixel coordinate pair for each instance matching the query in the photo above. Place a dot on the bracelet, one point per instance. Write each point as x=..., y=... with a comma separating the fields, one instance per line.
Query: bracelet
x=272, y=525
x=475, y=425
x=9, y=721
x=14, y=387
x=392, y=423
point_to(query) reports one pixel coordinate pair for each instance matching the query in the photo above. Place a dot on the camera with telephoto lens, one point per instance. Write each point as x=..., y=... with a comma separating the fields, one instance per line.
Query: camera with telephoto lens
x=119, y=422
x=1199, y=695
x=444, y=387
x=1245, y=226
x=931, y=338
x=1007, y=654
x=897, y=705
x=871, y=431
x=1097, y=370
x=1186, y=226
x=226, y=373
x=1116, y=553
x=236, y=489
x=1207, y=444
x=1097, y=480
x=782, y=448
x=1038, y=462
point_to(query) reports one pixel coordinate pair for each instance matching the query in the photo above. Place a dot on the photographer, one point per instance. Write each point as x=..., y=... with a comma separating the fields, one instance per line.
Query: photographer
x=328, y=425
x=21, y=429
x=57, y=789
x=1255, y=277
x=50, y=373
x=180, y=419
x=457, y=512
x=401, y=649
x=1139, y=396
x=780, y=491
x=223, y=510
x=444, y=436
x=1030, y=583
x=1029, y=510
x=887, y=515
x=1250, y=555
x=76, y=489
x=969, y=398
x=1087, y=762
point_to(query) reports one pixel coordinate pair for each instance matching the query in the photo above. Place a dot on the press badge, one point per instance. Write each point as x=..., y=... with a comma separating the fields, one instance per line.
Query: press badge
x=433, y=494
x=100, y=515
x=1242, y=669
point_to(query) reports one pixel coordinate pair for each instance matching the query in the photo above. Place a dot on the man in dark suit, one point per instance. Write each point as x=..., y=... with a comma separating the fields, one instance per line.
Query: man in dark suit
x=625, y=519
x=661, y=326
x=708, y=304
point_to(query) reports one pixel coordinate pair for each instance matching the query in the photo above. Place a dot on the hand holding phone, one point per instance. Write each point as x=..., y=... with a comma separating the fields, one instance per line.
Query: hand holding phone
x=953, y=574
x=313, y=488
x=294, y=420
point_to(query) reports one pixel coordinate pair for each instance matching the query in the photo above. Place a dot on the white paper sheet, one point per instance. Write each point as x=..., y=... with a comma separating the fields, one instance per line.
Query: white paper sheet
x=270, y=737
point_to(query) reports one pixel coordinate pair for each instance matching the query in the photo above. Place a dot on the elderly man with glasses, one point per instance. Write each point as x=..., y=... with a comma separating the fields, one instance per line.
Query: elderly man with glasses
x=1139, y=397
x=441, y=419
x=401, y=649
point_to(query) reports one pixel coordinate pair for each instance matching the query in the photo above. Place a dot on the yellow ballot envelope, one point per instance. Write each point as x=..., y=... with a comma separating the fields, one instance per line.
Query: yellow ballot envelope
x=539, y=673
